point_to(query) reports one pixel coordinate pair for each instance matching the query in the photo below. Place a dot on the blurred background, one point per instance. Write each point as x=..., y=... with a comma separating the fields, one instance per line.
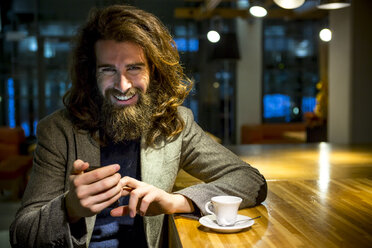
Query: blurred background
x=268, y=67
x=264, y=72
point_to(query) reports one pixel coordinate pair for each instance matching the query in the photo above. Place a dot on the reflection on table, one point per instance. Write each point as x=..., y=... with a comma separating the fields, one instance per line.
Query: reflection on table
x=319, y=196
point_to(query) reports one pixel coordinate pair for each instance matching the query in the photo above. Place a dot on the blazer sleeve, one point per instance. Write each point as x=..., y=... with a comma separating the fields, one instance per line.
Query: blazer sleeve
x=42, y=220
x=223, y=172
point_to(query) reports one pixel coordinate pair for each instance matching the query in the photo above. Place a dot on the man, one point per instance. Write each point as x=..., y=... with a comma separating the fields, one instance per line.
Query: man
x=104, y=166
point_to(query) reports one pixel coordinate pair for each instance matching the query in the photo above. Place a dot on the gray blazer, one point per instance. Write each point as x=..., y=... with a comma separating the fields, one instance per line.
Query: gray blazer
x=41, y=221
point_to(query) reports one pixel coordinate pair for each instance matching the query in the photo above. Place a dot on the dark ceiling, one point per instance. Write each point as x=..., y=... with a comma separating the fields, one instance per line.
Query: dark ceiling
x=167, y=10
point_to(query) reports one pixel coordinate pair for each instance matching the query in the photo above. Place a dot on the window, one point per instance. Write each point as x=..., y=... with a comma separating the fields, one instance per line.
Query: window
x=290, y=69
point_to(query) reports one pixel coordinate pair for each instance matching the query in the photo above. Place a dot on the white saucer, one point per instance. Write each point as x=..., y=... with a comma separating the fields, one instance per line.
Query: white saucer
x=210, y=222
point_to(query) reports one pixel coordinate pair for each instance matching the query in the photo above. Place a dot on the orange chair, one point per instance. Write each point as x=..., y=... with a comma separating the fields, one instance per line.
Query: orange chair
x=14, y=166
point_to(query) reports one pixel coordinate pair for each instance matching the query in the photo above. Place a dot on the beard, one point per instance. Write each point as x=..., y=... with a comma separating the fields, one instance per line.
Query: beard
x=120, y=123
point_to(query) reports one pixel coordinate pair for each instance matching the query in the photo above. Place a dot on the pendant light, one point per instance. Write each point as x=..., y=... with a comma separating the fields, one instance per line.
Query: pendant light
x=333, y=4
x=289, y=4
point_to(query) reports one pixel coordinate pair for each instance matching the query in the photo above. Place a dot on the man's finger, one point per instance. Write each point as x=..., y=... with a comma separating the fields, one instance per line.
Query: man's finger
x=145, y=203
x=120, y=211
x=79, y=167
x=126, y=191
x=96, y=208
x=135, y=199
x=104, y=187
x=100, y=173
x=130, y=183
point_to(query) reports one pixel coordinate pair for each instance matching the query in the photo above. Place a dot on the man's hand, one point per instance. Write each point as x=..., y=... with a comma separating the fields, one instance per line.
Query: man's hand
x=149, y=200
x=91, y=192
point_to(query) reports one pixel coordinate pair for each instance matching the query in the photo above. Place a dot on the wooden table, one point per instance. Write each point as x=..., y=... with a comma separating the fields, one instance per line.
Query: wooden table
x=319, y=196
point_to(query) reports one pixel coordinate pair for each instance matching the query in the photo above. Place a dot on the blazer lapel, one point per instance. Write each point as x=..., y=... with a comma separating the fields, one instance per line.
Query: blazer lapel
x=151, y=162
x=88, y=150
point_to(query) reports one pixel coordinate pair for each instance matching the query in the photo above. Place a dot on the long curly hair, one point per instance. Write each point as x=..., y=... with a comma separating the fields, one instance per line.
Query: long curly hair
x=167, y=79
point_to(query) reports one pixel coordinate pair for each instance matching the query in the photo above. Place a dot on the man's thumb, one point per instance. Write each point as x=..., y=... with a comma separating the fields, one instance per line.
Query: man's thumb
x=79, y=167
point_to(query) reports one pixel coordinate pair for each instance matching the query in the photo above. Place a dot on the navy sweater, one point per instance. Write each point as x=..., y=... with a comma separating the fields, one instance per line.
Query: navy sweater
x=120, y=231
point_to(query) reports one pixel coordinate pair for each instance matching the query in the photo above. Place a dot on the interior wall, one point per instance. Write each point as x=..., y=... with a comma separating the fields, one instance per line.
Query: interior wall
x=339, y=77
x=361, y=109
x=350, y=81
x=249, y=74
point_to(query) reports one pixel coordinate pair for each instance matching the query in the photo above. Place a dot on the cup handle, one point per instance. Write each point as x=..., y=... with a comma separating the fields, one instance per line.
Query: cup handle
x=208, y=209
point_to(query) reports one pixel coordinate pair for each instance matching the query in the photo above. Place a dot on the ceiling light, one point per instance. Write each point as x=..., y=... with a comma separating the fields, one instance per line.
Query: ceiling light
x=258, y=11
x=333, y=4
x=325, y=34
x=289, y=4
x=213, y=36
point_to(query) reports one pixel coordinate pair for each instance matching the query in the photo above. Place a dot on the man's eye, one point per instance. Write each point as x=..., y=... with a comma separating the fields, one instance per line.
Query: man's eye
x=107, y=71
x=133, y=68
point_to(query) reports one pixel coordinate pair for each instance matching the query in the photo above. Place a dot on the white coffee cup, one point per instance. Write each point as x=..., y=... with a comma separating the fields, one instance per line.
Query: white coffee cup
x=225, y=209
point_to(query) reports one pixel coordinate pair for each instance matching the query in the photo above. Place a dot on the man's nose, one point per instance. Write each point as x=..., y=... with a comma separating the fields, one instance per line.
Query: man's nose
x=124, y=83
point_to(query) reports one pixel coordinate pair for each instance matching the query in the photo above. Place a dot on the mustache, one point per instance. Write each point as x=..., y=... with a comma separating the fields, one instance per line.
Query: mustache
x=130, y=91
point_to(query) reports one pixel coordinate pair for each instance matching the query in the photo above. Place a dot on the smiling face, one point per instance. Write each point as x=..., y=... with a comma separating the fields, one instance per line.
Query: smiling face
x=121, y=70
x=123, y=80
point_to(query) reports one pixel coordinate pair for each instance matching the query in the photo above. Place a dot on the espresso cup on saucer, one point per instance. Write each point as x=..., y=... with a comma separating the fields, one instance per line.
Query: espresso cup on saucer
x=225, y=209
